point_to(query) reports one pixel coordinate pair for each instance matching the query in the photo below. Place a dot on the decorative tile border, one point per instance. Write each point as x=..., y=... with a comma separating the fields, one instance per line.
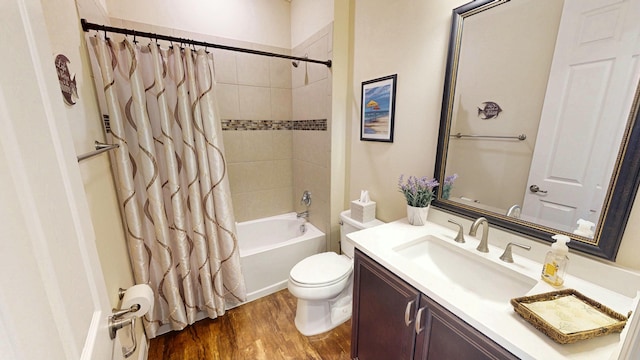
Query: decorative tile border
x=241, y=125
x=315, y=125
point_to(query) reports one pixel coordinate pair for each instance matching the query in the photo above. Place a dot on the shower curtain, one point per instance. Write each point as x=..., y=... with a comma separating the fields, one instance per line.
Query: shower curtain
x=171, y=178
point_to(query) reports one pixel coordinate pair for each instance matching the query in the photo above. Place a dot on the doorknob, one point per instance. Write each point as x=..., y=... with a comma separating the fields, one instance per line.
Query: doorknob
x=536, y=189
x=115, y=324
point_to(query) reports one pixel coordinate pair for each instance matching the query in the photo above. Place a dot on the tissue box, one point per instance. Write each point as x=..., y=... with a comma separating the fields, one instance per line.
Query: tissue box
x=363, y=212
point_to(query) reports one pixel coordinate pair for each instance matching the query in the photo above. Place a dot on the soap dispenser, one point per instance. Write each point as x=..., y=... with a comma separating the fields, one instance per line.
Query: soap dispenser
x=585, y=228
x=555, y=263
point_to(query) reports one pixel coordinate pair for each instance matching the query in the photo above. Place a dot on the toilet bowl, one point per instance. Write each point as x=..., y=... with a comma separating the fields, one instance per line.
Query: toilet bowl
x=323, y=283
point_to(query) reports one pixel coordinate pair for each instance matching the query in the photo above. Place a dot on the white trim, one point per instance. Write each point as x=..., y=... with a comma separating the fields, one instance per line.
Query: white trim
x=59, y=280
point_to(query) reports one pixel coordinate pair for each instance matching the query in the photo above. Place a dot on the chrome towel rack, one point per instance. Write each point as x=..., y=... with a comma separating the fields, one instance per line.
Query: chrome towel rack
x=100, y=148
x=519, y=137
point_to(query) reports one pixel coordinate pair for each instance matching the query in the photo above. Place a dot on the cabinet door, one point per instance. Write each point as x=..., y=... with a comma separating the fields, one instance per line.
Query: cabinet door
x=384, y=309
x=442, y=335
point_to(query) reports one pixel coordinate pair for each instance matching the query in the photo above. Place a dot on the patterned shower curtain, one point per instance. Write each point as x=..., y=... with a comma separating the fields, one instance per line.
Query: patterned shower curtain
x=171, y=178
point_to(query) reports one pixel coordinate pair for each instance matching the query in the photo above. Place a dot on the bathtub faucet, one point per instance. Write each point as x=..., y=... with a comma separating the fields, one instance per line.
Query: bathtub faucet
x=304, y=214
x=306, y=198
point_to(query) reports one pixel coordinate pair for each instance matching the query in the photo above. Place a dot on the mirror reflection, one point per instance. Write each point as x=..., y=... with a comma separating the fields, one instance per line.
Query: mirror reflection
x=540, y=97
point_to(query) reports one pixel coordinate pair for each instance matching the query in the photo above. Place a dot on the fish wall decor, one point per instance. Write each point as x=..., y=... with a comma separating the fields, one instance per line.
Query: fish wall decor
x=489, y=110
x=67, y=84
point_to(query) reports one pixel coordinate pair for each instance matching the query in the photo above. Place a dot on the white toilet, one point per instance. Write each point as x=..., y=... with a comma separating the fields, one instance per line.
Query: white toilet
x=323, y=283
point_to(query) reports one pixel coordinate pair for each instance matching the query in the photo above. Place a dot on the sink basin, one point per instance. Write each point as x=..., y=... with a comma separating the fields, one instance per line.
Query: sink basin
x=469, y=274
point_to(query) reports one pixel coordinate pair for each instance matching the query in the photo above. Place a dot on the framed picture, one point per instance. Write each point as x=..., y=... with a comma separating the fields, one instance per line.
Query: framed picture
x=377, y=109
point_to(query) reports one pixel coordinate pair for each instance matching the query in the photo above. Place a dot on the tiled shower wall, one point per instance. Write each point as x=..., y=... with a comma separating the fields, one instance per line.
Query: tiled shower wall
x=276, y=131
x=275, y=120
x=254, y=101
x=312, y=149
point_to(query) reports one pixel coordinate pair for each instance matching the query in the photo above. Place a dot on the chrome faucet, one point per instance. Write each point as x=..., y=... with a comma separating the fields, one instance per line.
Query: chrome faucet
x=306, y=198
x=484, y=242
x=514, y=211
x=306, y=201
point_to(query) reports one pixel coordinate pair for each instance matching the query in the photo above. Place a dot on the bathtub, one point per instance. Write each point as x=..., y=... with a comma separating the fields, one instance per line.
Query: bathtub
x=270, y=247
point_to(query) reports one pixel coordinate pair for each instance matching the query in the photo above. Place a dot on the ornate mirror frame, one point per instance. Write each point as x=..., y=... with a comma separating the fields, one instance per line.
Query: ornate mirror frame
x=622, y=187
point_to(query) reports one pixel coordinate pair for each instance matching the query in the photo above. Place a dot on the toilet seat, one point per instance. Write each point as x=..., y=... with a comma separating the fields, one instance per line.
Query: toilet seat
x=320, y=270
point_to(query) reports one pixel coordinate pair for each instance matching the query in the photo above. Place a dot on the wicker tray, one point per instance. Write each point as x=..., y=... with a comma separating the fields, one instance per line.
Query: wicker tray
x=567, y=316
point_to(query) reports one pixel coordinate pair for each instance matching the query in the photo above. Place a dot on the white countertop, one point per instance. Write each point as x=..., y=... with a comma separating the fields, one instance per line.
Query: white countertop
x=498, y=321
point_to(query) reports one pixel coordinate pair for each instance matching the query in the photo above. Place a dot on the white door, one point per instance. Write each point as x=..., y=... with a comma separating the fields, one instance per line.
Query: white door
x=593, y=77
x=53, y=302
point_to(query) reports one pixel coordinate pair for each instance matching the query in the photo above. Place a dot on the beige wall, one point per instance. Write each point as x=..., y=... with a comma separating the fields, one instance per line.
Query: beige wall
x=341, y=87
x=630, y=245
x=264, y=22
x=410, y=38
x=308, y=17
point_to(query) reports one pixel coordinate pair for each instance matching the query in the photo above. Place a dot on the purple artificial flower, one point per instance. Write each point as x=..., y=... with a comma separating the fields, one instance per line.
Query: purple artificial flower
x=450, y=179
x=417, y=191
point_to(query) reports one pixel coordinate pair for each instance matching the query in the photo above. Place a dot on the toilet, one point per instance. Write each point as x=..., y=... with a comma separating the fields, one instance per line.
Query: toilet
x=323, y=283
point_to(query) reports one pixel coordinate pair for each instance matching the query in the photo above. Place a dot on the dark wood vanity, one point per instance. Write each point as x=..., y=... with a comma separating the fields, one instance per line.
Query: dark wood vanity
x=393, y=320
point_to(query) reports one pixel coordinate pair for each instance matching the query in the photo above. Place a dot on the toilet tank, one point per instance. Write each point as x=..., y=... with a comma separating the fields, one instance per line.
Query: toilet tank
x=349, y=225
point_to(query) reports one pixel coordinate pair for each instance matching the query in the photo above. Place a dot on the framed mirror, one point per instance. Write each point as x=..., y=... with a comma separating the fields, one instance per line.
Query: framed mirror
x=539, y=118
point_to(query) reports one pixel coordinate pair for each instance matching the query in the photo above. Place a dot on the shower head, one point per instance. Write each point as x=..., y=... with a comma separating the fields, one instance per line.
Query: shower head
x=296, y=63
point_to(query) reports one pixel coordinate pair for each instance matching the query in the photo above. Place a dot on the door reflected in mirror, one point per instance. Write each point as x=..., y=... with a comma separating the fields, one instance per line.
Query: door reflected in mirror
x=538, y=97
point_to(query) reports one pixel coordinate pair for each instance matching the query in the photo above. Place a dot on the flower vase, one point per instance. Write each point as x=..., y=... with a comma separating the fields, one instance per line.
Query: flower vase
x=446, y=191
x=417, y=215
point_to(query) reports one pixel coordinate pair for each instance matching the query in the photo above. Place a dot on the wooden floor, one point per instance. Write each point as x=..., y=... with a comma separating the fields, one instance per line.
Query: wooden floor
x=262, y=329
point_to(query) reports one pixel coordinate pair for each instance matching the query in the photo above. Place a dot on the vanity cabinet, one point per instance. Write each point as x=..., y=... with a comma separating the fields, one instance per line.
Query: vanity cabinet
x=393, y=320
x=442, y=335
x=383, y=314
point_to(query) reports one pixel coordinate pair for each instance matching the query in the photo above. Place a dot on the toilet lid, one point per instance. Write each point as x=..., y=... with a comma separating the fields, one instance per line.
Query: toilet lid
x=321, y=269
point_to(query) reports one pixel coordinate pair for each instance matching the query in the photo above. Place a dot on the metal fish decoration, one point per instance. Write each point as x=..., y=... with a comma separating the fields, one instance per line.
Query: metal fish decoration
x=489, y=111
x=67, y=84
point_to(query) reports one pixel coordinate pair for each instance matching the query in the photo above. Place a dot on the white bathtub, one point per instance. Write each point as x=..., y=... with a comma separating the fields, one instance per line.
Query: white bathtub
x=270, y=247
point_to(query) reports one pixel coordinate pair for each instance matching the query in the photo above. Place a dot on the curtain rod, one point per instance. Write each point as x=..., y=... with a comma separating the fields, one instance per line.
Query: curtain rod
x=86, y=26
